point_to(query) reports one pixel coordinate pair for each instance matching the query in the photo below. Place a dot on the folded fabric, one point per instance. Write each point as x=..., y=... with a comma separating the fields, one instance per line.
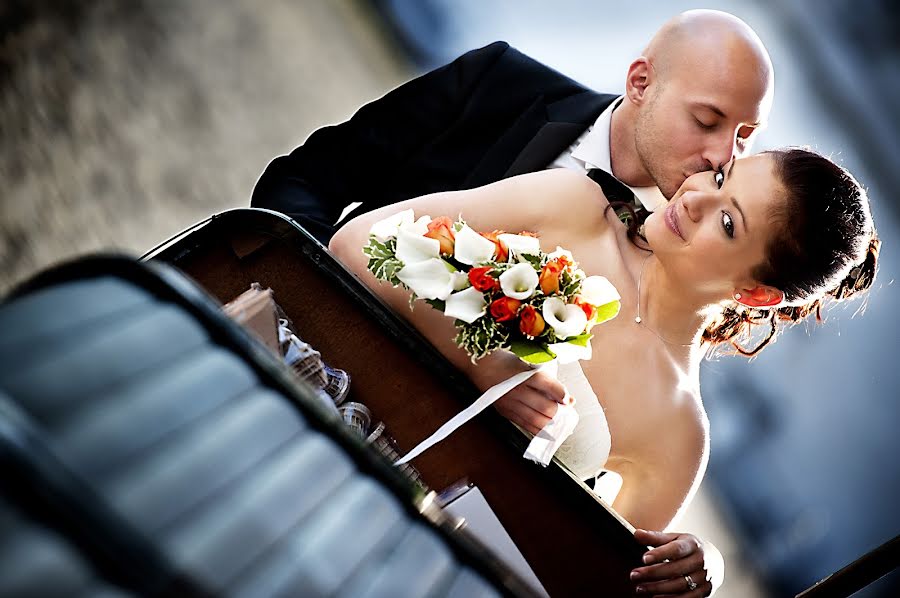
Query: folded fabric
x=550, y=438
x=255, y=310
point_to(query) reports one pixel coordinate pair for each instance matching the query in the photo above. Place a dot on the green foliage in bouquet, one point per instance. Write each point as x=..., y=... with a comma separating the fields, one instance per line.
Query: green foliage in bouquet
x=383, y=262
x=530, y=352
x=481, y=337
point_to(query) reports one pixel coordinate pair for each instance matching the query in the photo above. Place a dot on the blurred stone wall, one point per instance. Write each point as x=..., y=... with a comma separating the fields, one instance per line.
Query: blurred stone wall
x=122, y=123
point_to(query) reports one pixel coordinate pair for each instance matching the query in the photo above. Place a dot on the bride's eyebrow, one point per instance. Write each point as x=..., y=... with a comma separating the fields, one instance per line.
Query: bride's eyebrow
x=734, y=200
x=743, y=218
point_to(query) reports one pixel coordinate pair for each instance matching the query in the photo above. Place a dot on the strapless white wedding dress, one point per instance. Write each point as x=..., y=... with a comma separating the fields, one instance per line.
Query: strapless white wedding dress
x=586, y=451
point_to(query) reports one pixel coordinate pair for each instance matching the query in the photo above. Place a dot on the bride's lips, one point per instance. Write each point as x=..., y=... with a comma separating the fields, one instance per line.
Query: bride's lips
x=672, y=219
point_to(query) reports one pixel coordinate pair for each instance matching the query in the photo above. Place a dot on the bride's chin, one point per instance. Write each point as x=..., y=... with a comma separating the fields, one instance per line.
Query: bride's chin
x=652, y=227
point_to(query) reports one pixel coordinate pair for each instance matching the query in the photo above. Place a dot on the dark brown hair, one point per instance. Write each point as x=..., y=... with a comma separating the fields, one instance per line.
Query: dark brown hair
x=826, y=248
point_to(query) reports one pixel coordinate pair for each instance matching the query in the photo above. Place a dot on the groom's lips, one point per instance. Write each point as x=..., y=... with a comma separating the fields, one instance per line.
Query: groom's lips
x=672, y=219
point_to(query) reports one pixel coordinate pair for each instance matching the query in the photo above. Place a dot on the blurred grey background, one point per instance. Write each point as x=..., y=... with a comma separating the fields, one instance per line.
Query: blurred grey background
x=122, y=123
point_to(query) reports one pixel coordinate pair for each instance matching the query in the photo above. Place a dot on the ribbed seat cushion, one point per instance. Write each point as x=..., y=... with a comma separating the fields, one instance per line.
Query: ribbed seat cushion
x=35, y=561
x=223, y=475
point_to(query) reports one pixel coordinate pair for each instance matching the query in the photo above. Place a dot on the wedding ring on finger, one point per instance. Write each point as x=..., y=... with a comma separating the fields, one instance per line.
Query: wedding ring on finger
x=691, y=584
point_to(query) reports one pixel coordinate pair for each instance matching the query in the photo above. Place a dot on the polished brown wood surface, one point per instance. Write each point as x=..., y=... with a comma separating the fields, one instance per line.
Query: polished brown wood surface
x=575, y=544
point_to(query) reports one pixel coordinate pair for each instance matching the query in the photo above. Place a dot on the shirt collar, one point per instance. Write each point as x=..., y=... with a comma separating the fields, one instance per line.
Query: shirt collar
x=593, y=150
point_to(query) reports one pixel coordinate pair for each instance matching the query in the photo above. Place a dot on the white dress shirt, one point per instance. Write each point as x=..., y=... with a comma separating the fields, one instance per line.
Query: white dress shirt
x=591, y=150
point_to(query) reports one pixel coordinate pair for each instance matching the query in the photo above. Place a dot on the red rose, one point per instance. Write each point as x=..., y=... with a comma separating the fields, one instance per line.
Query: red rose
x=483, y=281
x=549, y=278
x=505, y=308
x=530, y=322
x=441, y=229
x=501, y=253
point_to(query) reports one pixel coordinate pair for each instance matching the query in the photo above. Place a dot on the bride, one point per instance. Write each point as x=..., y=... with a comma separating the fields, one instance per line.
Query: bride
x=766, y=238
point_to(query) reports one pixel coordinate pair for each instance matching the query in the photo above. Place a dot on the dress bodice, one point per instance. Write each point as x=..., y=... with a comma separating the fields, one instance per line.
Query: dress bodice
x=586, y=451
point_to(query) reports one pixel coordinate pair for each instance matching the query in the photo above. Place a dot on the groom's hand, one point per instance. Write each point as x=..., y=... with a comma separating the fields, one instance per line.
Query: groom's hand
x=532, y=404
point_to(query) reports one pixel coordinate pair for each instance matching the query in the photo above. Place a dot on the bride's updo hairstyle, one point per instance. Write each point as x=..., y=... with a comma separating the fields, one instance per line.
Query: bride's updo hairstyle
x=826, y=248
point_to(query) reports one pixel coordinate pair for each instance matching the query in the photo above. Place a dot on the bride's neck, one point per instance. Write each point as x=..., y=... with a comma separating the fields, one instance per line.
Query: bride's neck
x=669, y=309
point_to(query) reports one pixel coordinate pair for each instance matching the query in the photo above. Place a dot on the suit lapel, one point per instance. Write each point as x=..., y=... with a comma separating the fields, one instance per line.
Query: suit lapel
x=544, y=147
x=499, y=157
x=538, y=136
x=567, y=119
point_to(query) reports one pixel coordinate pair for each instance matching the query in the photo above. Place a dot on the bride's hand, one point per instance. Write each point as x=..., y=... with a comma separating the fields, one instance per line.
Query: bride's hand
x=532, y=404
x=675, y=562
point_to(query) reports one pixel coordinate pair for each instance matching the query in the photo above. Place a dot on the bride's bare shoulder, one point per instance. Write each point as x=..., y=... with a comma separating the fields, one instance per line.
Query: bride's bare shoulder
x=566, y=185
x=560, y=193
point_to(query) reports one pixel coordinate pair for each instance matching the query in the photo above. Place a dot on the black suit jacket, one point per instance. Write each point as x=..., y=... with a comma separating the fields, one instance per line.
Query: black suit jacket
x=490, y=114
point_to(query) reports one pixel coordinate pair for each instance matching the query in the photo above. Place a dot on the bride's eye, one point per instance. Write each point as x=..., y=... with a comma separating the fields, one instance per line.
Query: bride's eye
x=728, y=224
x=719, y=177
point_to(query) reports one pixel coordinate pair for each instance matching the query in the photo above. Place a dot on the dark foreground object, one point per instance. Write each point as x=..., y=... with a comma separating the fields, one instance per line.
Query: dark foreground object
x=149, y=446
x=862, y=572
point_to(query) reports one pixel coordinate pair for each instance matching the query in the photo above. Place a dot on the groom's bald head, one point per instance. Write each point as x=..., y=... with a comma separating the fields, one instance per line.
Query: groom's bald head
x=705, y=34
x=703, y=86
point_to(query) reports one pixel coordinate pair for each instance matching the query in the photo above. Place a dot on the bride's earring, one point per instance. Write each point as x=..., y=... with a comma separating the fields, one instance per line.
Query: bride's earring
x=737, y=296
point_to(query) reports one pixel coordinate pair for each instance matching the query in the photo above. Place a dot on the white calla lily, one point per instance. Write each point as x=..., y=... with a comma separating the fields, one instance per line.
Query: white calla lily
x=467, y=305
x=597, y=291
x=519, y=244
x=429, y=279
x=419, y=227
x=412, y=248
x=387, y=228
x=565, y=319
x=519, y=281
x=471, y=248
x=460, y=280
x=570, y=352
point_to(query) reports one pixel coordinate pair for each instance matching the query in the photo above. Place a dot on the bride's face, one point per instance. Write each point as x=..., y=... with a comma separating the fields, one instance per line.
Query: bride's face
x=715, y=230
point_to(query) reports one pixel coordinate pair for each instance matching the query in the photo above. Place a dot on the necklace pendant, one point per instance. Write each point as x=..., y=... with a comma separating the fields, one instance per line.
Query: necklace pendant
x=637, y=319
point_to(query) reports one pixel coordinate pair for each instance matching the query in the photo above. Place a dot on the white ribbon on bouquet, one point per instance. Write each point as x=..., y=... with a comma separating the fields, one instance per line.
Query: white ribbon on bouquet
x=542, y=447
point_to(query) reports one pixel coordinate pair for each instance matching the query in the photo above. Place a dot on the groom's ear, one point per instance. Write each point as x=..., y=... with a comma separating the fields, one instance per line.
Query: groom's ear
x=639, y=76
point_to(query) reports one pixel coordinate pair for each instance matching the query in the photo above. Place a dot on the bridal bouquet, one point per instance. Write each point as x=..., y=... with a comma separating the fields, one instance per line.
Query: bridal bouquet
x=502, y=290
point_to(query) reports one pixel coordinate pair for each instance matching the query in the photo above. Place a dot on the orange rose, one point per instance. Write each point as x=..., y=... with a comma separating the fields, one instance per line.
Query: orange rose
x=549, y=278
x=442, y=229
x=482, y=280
x=586, y=307
x=505, y=308
x=501, y=253
x=530, y=322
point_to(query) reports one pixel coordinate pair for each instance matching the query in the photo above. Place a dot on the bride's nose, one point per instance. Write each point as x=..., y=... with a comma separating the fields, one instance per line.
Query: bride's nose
x=693, y=204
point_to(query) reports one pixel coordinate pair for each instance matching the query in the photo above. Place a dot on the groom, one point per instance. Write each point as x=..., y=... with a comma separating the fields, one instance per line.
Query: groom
x=692, y=101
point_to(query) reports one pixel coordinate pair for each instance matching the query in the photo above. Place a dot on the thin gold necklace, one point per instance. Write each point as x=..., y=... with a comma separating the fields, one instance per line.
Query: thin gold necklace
x=639, y=320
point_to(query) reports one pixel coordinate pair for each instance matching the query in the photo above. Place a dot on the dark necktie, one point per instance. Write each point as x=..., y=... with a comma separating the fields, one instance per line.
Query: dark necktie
x=613, y=188
x=616, y=191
